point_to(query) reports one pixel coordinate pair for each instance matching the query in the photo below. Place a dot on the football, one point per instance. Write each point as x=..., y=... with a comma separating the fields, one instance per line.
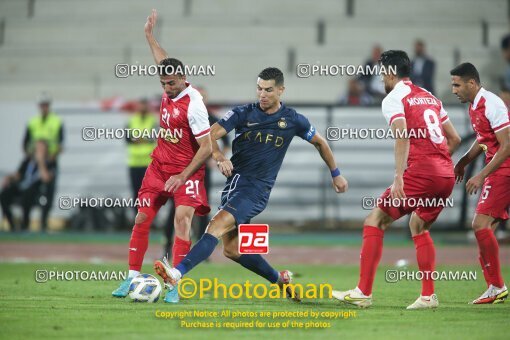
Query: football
x=145, y=288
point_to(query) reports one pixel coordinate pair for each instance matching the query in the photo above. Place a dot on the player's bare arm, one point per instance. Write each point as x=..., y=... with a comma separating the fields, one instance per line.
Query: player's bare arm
x=474, y=151
x=476, y=182
x=203, y=153
x=339, y=182
x=157, y=51
x=452, y=137
x=399, y=128
x=224, y=164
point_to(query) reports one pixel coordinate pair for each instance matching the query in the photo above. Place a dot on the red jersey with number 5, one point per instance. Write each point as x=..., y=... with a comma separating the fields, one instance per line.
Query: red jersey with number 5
x=489, y=115
x=424, y=115
x=183, y=120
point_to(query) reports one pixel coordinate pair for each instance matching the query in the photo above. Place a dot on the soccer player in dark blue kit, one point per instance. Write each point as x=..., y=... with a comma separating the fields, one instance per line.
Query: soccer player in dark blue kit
x=263, y=133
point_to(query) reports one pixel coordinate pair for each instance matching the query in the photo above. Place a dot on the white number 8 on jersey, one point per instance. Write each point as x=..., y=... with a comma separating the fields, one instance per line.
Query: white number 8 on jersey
x=434, y=127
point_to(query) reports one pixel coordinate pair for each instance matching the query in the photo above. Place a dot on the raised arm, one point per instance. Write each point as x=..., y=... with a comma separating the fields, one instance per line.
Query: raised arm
x=157, y=51
x=339, y=182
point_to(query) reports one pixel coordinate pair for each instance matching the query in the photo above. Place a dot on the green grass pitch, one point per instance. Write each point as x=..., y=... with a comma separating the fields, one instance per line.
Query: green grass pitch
x=78, y=309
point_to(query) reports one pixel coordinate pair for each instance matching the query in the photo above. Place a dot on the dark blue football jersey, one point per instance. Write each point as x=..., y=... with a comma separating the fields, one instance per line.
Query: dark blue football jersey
x=261, y=139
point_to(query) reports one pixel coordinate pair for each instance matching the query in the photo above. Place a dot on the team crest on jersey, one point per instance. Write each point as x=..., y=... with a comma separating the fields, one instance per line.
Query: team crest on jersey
x=176, y=113
x=484, y=147
x=282, y=124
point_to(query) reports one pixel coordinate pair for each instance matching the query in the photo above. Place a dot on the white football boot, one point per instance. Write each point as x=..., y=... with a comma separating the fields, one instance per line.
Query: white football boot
x=354, y=297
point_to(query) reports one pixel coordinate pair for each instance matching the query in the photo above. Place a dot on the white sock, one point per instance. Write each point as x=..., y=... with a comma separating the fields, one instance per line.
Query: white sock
x=133, y=273
x=177, y=273
x=359, y=291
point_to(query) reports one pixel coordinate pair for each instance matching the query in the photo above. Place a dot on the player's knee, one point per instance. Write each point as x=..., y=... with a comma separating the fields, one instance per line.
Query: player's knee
x=377, y=222
x=182, y=226
x=215, y=229
x=140, y=217
x=478, y=224
x=182, y=222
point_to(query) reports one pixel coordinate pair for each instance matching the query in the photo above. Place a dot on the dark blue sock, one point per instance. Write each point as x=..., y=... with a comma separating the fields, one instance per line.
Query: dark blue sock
x=200, y=252
x=258, y=265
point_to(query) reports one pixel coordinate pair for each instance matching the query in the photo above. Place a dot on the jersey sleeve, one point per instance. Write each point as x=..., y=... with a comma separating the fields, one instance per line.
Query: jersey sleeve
x=443, y=115
x=392, y=109
x=497, y=114
x=231, y=120
x=198, y=119
x=304, y=129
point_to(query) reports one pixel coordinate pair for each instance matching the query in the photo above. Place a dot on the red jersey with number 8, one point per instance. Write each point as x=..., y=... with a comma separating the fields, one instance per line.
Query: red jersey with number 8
x=424, y=115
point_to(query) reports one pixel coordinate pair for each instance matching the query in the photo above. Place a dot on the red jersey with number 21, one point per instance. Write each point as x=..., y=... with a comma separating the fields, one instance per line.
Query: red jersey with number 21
x=489, y=115
x=183, y=120
x=424, y=115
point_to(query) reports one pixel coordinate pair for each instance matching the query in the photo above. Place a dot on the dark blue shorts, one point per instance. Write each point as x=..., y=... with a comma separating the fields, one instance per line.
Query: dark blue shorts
x=244, y=198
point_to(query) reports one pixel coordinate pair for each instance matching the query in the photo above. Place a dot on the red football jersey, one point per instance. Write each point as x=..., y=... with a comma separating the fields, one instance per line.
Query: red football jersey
x=182, y=121
x=425, y=116
x=489, y=115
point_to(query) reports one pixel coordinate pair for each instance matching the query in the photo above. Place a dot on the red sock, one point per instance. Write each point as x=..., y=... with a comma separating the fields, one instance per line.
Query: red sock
x=485, y=272
x=139, y=241
x=179, y=250
x=489, y=249
x=371, y=252
x=426, y=257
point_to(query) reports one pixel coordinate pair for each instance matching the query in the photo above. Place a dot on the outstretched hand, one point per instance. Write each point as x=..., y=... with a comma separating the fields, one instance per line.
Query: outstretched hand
x=151, y=22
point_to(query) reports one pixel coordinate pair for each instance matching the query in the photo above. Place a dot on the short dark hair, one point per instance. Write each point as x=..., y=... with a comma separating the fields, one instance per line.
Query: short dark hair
x=272, y=73
x=396, y=59
x=466, y=71
x=171, y=66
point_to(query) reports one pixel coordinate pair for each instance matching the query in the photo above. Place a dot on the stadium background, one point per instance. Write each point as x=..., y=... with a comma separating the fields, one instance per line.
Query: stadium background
x=70, y=48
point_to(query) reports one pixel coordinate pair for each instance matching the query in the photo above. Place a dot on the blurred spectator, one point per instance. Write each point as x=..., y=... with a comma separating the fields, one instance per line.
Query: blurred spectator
x=139, y=150
x=372, y=83
x=356, y=94
x=210, y=166
x=505, y=96
x=28, y=185
x=47, y=127
x=505, y=49
x=422, y=68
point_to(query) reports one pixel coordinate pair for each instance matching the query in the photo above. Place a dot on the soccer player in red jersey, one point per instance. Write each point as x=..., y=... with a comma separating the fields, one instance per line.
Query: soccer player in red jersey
x=177, y=168
x=425, y=139
x=491, y=122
